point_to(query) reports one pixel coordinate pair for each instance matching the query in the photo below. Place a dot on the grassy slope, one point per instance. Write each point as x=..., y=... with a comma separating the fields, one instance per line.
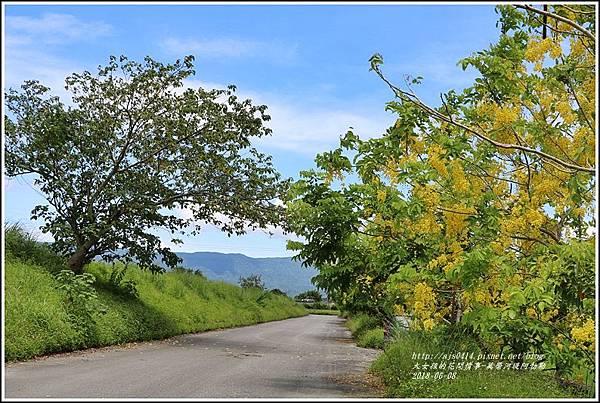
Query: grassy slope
x=37, y=319
x=395, y=366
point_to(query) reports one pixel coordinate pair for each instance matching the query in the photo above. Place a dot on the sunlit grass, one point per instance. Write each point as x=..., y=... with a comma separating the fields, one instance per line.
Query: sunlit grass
x=38, y=321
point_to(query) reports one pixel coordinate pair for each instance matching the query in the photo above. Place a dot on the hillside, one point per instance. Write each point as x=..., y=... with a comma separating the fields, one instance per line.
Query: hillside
x=47, y=313
x=276, y=272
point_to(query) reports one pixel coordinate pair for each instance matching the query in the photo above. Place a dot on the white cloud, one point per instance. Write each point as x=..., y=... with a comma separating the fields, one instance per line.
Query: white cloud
x=53, y=28
x=309, y=131
x=437, y=64
x=27, y=56
x=22, y=63
x=230, y=48
x=310, y=127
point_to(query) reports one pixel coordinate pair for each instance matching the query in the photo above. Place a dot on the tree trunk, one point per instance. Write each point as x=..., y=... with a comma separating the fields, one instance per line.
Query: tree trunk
x=80, y=257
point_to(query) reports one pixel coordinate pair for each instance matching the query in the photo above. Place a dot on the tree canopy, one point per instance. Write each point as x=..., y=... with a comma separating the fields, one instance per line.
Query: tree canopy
x=135, y=150
x=478, y=213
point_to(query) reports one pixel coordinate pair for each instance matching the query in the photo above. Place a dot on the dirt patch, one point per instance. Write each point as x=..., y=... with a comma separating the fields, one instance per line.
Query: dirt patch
x=344, y=340
x=362, y=384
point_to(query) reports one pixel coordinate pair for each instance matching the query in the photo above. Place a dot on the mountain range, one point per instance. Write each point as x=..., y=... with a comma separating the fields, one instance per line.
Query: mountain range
x=276, y=272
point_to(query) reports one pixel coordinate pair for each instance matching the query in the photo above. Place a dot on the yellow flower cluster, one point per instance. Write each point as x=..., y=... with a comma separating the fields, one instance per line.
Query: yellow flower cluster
x=428, y=195
x=438, y=262
x=524, y=221
x=424, y=301
x=482, y=297
x=455, y=224
x=548, y=315
x=428, y=324
x=506, y=116
x=536, y=49
x=577, y=47
x=417, y=146
x=501, y=244
x=534, y=218
x=584, y=333
x=391, y=170
x=435, y=161
x=546, y=187
x=584, y=336
x=455, y=248
x=459, y=181
x=566, y=111
x=545, y=101
x=427, y=225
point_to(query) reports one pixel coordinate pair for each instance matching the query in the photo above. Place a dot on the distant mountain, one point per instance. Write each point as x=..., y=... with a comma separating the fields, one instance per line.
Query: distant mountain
x=276, y=272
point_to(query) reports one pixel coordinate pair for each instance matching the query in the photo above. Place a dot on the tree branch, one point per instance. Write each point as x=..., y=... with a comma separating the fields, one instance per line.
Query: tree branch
x=559, y=18
x=405, y=96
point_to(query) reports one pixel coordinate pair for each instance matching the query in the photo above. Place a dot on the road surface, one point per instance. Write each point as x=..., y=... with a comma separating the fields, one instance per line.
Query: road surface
x=311, y=356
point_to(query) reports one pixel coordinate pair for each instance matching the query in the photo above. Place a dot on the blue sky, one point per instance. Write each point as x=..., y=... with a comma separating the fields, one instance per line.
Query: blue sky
x=307, y=63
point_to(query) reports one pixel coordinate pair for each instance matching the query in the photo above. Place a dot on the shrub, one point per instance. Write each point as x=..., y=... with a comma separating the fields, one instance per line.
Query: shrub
x=120, y=284
x=252, y=281
x=361, y=323
x=372, y=338
x=82, y=304
x=396, y=368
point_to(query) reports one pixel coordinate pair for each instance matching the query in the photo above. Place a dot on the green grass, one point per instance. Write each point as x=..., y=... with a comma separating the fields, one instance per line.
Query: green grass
x=324, y=311
x=39, y=319
x=360, y=323
x=366, y=330
x=395, y=367
x=371, y=338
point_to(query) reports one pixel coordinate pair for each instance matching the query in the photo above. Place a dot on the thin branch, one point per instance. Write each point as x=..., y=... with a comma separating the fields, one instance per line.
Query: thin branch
x=577, y=11
x=558, y=30
x=527, y=238
x=559, y=18
x=437, y=115
x=570, y=86
x=455, y=211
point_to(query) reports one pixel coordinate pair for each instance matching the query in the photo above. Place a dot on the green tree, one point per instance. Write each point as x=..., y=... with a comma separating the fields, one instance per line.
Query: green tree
x=252, y=281
x=134, y=147
x=475, y=213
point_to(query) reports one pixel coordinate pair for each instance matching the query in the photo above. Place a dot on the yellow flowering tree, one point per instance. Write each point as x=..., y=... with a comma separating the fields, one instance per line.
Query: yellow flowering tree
x=477, y=213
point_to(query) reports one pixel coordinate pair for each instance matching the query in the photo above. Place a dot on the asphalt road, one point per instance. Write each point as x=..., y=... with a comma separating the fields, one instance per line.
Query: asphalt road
x=307, y=357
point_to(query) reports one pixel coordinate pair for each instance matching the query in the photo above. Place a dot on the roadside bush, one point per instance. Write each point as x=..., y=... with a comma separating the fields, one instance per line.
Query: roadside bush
x=396, y=368
x=361, y=323
x=81, y=302
x=252, y=281
x=117, y=280
x=372, y=338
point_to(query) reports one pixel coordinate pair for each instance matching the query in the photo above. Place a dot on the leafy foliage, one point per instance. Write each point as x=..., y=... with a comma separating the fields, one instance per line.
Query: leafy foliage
x=82, y=301
x=117, y=280
x=476, y=214
x=135, y=151
x=252, y=281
